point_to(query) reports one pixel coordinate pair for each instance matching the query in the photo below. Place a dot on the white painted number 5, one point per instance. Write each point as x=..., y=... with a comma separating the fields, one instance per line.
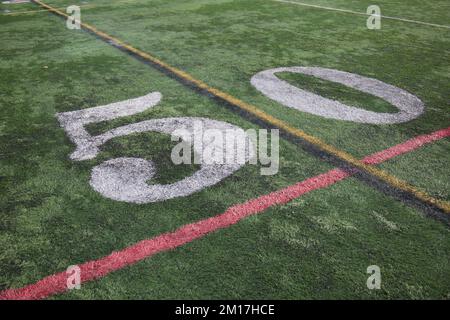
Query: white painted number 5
x=125, y=179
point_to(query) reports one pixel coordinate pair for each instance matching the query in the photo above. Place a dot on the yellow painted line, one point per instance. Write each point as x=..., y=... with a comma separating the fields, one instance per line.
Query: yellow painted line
x=346, y=157
x=23, y=12
x=363, y=13
x=84, y=6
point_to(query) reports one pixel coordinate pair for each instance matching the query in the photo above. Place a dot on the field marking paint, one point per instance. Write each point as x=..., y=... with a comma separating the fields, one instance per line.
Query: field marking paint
x=57, y=283
x=255, y=111
x=127, y=179
x=408, y=105
x=363, y=14
x=84, y=6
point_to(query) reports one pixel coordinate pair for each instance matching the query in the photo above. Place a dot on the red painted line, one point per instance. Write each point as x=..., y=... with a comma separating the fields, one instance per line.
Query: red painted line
x=57, y=283
x=406, y=147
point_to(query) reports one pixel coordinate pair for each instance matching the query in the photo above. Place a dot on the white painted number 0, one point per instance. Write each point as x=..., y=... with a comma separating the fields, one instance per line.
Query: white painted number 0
x=410, y=107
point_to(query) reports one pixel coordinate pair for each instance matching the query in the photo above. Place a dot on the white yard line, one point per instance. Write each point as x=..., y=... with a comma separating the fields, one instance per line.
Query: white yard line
x=363, y=13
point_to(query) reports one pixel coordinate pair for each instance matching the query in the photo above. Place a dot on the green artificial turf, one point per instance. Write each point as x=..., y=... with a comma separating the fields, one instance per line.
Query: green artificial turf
x=318, y=246
x=225, y=43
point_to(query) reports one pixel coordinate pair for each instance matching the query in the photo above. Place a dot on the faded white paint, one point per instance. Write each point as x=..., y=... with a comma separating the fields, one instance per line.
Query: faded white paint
x=410, y=107
x=125, y=179
x=74, y=121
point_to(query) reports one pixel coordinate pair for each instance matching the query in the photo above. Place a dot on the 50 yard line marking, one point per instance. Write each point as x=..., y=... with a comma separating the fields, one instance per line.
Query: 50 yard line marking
x=267, y=118
x=363, y=13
